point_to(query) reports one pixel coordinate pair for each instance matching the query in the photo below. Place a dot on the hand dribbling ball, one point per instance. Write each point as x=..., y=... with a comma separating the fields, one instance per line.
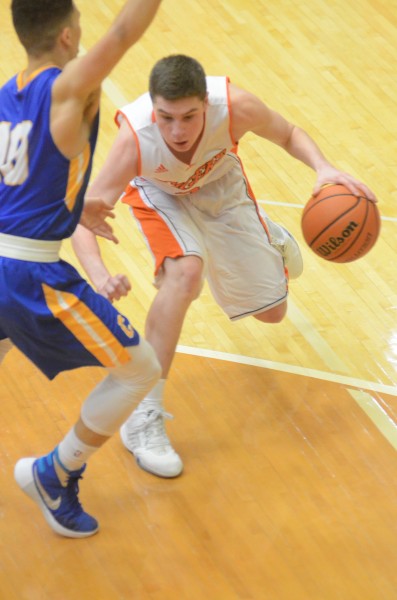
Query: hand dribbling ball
x=339, y=226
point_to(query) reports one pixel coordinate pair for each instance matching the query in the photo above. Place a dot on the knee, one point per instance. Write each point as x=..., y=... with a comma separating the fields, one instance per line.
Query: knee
x=142, y=371
x=114, y=398
x=273, y=315
x=185, y=276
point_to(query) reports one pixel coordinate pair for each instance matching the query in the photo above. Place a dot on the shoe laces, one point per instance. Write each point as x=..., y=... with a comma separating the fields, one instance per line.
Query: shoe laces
x=71, y=495
x=152, y=424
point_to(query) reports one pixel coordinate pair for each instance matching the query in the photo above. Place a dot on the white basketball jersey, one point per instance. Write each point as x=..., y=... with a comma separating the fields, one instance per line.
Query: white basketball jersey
x=214, y=156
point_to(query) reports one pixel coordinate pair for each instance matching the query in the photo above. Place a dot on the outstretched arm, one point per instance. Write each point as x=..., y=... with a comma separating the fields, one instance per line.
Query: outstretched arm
x=85, y=74
x=76, y=92
x=119, y=169
x=249, y=113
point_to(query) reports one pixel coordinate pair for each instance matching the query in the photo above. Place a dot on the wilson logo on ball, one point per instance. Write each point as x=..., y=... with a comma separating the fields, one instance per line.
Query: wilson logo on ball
x=335, y=242
x=339, y=226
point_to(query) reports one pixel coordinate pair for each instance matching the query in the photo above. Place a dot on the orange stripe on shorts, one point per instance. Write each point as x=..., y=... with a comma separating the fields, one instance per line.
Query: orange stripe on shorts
x=86, y=327
x=161, y=240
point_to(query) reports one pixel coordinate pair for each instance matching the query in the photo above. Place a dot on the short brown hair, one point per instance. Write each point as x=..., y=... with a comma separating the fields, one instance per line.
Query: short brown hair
x=177, y=76
x=38, y=22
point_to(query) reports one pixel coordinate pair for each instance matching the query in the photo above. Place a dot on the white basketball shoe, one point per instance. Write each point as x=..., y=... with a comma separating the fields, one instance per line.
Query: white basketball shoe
x=144, y=435
x=288, y=247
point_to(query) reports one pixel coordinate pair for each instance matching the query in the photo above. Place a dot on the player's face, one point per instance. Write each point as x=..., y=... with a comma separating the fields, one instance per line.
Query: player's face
x=180, y=121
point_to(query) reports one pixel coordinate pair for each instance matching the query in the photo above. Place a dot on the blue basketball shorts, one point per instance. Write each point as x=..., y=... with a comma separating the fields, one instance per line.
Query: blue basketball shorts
x=57, y=320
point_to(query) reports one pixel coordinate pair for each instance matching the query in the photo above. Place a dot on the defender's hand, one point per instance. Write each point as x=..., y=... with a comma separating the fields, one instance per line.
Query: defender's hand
x=94, y=215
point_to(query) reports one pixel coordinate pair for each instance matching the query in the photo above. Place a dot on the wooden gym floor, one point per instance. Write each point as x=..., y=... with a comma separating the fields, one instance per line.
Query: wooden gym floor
x=288, y=433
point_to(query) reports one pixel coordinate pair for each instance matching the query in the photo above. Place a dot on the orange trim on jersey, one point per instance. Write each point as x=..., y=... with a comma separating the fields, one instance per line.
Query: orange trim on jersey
x=229, y=107
x=77, y=169
x=86, y=327
x=117, y=119
x=252, y=196
x=21, y=84
x=158, y=235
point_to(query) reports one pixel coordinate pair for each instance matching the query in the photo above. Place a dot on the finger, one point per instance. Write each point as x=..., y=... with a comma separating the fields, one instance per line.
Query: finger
x=109, y=214
x=123, y=290
x=316, y=189
x=121, y=278
x=126, y=283
x=106, y=233
x=120, y=291
x=111, y=291
x=368, y=194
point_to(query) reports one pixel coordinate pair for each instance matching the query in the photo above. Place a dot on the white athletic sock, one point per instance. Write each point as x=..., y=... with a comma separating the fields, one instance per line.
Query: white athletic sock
x=73, y=453
x=157, y=392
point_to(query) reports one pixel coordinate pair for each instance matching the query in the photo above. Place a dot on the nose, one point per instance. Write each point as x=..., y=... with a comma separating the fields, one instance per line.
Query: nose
x=178, y=131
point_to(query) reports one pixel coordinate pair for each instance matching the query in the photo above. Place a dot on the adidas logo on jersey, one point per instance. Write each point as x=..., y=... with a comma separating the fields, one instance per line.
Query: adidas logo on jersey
x=161, y=169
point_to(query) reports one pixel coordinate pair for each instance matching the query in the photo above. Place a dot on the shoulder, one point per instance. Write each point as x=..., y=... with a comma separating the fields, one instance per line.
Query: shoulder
x=218, y=89
x=10, y=84
x=138, y=113
x=248, y=111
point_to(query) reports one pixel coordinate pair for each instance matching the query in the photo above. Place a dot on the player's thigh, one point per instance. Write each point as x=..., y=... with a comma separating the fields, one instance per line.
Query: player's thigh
x=245, y=272
x=273, y=315
x=168, y=229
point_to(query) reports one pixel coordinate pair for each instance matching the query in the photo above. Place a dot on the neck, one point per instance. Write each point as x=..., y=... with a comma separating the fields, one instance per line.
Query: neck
x=39, y=62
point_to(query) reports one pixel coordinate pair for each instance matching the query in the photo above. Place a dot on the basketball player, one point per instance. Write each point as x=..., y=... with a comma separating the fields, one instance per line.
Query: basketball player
x=48, y=131
x=176, y=151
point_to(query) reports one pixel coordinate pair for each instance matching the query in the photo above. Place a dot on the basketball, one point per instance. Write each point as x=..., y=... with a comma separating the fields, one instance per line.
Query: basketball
x=339, y=226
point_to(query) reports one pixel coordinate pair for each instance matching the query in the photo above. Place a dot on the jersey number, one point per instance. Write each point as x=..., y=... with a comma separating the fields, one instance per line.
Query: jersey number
x=14, y=165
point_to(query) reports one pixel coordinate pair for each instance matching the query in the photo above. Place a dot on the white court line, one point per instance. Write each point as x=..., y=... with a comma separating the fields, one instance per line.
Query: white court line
x=114, y=94
x=313, y=337
x=304, y=326
x=366, y=402
x=301, y=206
x=377, y=415
x=344, y=380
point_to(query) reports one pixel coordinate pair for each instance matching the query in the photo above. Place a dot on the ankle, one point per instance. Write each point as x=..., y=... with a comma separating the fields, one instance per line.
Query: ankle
x=72, y=453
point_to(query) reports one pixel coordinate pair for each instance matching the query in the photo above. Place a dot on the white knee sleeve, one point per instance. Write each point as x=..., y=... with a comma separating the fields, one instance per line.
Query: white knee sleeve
x=113, y=400
x=5, y=346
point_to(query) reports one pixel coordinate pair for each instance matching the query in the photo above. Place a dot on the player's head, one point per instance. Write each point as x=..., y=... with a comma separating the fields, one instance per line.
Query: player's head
x=38, y=24
x=177, y=76
x=178, y=90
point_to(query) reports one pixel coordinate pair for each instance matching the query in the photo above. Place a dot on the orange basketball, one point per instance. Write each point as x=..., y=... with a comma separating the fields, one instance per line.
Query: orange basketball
x=339, y=226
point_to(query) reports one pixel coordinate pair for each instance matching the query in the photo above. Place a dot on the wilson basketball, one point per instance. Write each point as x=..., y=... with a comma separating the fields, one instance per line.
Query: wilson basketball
x=339, y=226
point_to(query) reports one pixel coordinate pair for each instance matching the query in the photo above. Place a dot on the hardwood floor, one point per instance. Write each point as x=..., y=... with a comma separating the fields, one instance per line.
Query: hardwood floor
x=288, y=432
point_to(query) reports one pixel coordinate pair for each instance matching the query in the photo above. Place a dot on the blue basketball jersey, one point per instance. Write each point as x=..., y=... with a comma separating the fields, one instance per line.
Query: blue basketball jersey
x=41, y=191
x=46, y=308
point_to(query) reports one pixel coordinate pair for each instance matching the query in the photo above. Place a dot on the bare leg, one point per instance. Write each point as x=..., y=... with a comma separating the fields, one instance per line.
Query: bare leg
x=52, y=480
x=274, y=315
x=87, y=436
x=180, y=286
x=144, y=433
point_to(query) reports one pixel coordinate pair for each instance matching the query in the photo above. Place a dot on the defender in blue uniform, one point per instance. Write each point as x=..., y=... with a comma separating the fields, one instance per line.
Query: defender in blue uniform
x=48, y=129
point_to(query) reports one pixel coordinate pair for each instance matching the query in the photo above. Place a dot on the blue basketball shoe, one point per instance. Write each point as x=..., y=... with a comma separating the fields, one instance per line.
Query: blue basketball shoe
x=55, y=490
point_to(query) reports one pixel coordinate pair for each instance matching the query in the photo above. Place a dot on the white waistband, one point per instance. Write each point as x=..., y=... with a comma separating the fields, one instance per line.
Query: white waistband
x=12, y=246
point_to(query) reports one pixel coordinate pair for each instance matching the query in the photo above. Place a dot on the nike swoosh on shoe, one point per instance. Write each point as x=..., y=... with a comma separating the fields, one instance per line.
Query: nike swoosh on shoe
x=51, y=503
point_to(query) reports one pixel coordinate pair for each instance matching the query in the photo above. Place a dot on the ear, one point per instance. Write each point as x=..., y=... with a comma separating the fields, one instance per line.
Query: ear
x=65, y=37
